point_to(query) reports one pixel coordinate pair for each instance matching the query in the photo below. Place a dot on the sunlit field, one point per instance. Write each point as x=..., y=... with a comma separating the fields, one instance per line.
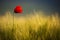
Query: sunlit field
x=34, y=26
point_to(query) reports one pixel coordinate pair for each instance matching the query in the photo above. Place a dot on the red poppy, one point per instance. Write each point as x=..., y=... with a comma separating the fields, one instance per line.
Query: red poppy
x=18, y=9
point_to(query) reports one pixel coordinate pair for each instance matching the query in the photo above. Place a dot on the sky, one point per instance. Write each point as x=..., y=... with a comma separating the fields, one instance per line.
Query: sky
x=28, y=6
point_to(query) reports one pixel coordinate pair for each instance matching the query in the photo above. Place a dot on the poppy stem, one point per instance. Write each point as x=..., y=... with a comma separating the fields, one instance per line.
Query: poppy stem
x=13, y=19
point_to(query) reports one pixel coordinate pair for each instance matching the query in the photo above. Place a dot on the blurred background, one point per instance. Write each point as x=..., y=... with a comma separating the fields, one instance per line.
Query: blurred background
x=47, y=6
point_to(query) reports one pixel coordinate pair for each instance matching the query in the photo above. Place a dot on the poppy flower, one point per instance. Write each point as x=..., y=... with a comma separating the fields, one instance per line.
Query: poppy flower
x=18, y=9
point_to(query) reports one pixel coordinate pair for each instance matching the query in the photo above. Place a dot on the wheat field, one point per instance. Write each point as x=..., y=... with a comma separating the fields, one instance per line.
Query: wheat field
x=35, y=26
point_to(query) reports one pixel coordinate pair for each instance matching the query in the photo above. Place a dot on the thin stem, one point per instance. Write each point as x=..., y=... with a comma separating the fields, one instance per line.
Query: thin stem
x=13, y=19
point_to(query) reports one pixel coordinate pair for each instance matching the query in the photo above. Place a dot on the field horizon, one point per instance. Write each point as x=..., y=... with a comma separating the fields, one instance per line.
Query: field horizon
x=34, y=26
